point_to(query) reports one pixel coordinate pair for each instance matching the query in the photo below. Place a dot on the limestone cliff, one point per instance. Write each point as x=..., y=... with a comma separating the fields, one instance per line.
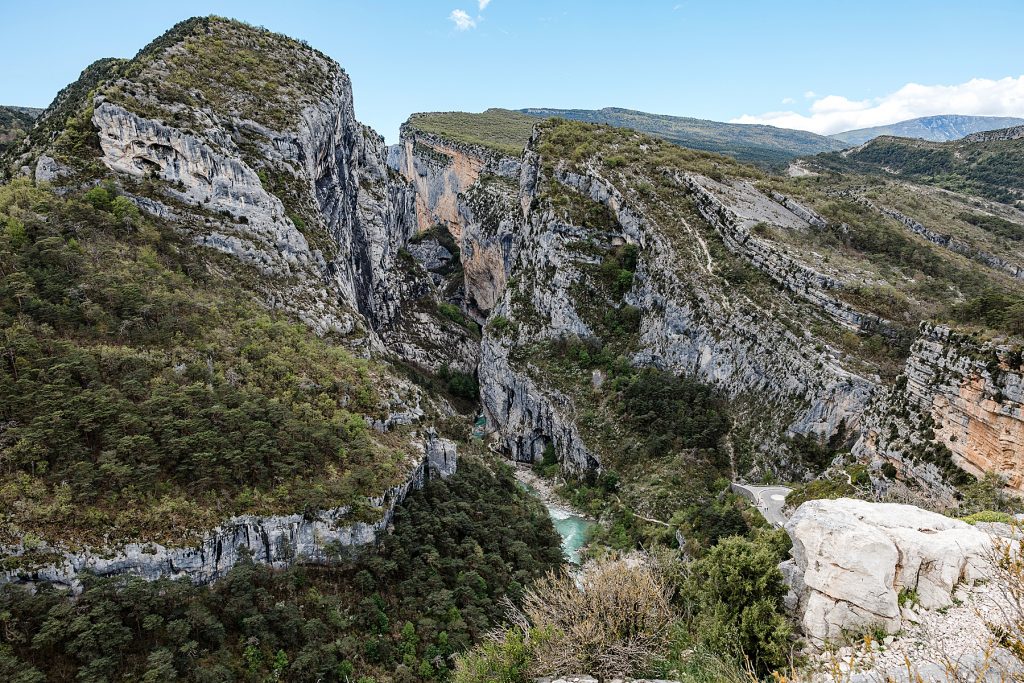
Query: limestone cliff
x=508, y=228
x=526, y=263
x=959, y=401
x=278, y=187
x=461, y=187
x=294, y=187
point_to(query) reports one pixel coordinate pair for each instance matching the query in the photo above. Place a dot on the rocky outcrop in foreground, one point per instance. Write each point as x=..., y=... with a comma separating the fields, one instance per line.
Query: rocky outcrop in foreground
x=856, y=564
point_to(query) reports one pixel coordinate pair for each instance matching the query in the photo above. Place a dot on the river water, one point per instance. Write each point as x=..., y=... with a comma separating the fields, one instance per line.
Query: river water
x=571, y=526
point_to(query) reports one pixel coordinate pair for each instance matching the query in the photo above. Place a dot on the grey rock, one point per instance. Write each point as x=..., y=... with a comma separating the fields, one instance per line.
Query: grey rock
x=48, y=170
x=430, y=254
x=958, y=393
x=852, y=559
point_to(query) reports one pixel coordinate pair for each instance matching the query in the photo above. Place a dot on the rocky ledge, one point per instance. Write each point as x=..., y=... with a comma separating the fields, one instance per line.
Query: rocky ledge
x=279, y=540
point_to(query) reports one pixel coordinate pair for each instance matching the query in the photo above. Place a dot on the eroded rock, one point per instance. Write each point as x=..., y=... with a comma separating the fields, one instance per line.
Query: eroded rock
x=853, y=559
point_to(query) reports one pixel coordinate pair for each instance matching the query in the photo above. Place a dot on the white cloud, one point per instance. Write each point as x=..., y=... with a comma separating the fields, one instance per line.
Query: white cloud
x=788, y=100
x=483, y=4
x=462, y=21
x=810, y=93
x=835, y=113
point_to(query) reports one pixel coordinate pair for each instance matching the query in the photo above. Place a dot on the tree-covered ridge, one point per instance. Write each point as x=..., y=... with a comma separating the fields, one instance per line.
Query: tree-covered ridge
x=989, y=168
x=766, y=146
x=459, y=548
x=503, y=130
x=146, y=395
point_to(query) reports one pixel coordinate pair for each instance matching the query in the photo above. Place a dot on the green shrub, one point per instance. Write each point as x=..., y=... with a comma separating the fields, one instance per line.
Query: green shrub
x=505, y=660
x=99, y=197
x=500, y=324
x=736, y=592
x=990, y=516
x=460, y=384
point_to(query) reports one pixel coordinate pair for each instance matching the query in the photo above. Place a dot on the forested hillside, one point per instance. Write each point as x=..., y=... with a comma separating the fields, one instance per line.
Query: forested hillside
x=436, y=586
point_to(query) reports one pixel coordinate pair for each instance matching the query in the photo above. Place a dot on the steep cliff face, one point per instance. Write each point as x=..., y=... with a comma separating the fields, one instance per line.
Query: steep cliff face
x=780, y=346
x=536, y=263
x=959, y=402
x=309, y=201
x=685, y=335
x=467, y=189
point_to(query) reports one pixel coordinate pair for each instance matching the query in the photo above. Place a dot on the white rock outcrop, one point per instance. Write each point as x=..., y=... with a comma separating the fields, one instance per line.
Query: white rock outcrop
x=852, y=559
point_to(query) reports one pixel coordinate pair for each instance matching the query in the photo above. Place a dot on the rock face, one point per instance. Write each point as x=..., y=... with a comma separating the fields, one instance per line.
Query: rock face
x=440, y=170
x=529, y=417
x=279, y=540
x=852, y=560
x=950, y=242
x=737, y=208
x=308, y=200
x=473, y=192
x=958, y=395
x=491, y=204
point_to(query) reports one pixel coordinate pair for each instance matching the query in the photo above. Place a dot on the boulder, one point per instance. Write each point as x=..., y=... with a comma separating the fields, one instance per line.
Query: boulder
x=852, y=559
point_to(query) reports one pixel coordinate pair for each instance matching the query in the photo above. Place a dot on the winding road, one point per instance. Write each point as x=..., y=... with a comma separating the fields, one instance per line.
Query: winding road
x=769, y=500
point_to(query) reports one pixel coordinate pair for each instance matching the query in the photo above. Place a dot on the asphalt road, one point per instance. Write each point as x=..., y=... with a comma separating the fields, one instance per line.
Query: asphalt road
x=769, y=500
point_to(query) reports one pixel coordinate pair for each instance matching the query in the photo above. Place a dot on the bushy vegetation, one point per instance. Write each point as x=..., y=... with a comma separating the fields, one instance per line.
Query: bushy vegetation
x=646, y=617
x=459, y=549
x=15, y=122
x=575, y=142
x=763, y=145
x=675, y=412
x=995, y=309
x=143, y=398
x=503, y=130
x=995, y=225
x=734, y=594
x=233, y=67
x=612, y=622
x=991, y=169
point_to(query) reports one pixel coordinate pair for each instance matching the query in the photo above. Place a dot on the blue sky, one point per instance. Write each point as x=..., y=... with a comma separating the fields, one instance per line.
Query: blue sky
x=816, y=65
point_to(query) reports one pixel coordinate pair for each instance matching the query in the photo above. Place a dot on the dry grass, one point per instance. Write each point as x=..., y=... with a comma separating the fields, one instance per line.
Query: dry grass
x=613, y=622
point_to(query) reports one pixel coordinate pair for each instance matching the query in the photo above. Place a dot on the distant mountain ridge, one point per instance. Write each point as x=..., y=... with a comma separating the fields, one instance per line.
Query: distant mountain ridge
x=760, y=144
x=987, y=164
x=941, y=128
